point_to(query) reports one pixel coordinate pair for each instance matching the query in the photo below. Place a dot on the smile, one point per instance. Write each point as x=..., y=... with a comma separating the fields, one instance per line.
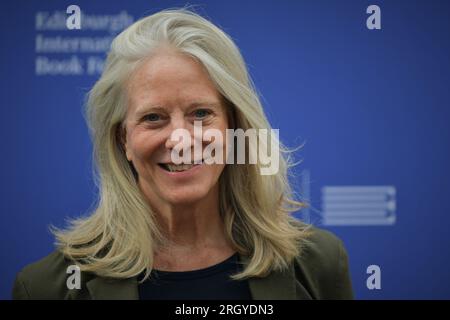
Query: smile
x=176, y=167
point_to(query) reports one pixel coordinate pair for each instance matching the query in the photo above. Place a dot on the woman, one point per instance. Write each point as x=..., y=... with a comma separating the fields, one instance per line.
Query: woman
x=163, y=230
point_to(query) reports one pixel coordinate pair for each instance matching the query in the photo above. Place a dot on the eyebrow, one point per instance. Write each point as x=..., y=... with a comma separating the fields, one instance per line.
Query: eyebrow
x=146, y=108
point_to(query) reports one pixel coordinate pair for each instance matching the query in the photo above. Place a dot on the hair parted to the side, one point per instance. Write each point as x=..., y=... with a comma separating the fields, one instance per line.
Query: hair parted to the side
x=120, y=236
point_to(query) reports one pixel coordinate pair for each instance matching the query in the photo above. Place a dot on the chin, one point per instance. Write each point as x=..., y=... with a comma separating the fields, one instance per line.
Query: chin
x=183, y=188
x=184, y=196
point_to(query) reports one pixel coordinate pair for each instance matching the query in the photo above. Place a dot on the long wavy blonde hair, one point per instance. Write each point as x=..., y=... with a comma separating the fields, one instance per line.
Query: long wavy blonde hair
x=118, y=239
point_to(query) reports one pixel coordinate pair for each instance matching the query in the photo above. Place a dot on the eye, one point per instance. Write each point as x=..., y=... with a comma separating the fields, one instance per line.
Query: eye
x=201, y=113
x=152, y=117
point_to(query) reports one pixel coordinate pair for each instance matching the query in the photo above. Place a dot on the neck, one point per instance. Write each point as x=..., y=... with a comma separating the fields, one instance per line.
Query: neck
x=195, y=233
x=191, y=226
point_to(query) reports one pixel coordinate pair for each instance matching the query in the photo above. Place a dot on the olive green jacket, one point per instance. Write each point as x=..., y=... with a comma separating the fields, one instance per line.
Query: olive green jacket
x=321, y=272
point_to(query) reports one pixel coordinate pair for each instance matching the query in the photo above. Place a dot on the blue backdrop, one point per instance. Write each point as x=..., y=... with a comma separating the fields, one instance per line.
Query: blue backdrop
x=372, y=107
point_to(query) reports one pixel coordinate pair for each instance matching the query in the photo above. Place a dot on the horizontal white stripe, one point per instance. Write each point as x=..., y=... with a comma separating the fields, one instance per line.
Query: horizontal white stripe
x=358, y=190
x=356, y=213
x=389, y=205
x=359, y=222
x=353, y=198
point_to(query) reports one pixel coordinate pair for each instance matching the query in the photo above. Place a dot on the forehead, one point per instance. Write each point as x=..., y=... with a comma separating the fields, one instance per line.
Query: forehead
x=170, y=78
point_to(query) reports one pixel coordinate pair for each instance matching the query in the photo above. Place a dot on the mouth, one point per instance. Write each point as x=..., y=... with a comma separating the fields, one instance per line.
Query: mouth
x=170, y=167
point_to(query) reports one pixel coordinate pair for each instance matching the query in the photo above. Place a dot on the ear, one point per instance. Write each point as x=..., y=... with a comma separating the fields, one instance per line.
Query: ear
x=121, y=133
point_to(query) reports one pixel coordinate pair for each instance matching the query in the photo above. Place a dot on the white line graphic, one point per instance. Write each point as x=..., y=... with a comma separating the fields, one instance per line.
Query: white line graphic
x=358, y=205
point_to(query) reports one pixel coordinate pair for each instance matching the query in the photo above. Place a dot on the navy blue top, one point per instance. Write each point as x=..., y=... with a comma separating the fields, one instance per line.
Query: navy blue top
x=209, y=283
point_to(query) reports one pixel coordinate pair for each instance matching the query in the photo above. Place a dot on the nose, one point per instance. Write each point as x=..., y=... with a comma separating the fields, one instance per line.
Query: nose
x=176, y=122
x=185, y=139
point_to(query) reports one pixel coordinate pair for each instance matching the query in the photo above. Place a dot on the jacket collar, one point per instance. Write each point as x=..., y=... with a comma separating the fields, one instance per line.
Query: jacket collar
x=278, y=285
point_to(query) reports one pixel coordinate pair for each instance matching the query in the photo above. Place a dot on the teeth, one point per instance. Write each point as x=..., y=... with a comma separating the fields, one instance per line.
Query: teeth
x=177, y=168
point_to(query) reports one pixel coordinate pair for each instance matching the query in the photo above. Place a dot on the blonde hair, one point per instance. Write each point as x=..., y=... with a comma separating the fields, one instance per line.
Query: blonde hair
x=120, y=236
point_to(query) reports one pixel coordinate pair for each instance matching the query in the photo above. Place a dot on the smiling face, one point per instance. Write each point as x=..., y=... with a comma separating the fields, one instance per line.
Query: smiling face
x=170, y=91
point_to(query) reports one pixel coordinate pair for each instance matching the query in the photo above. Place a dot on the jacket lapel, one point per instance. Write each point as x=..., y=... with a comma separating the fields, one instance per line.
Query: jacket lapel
x=278, y=285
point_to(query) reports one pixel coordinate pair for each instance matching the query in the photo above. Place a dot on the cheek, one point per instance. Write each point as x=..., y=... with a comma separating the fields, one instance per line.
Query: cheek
x=142, y=145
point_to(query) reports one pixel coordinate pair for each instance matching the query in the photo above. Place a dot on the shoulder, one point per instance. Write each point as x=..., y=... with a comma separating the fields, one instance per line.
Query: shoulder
x=321, y=245
x=43, y=279
x=323, y=266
